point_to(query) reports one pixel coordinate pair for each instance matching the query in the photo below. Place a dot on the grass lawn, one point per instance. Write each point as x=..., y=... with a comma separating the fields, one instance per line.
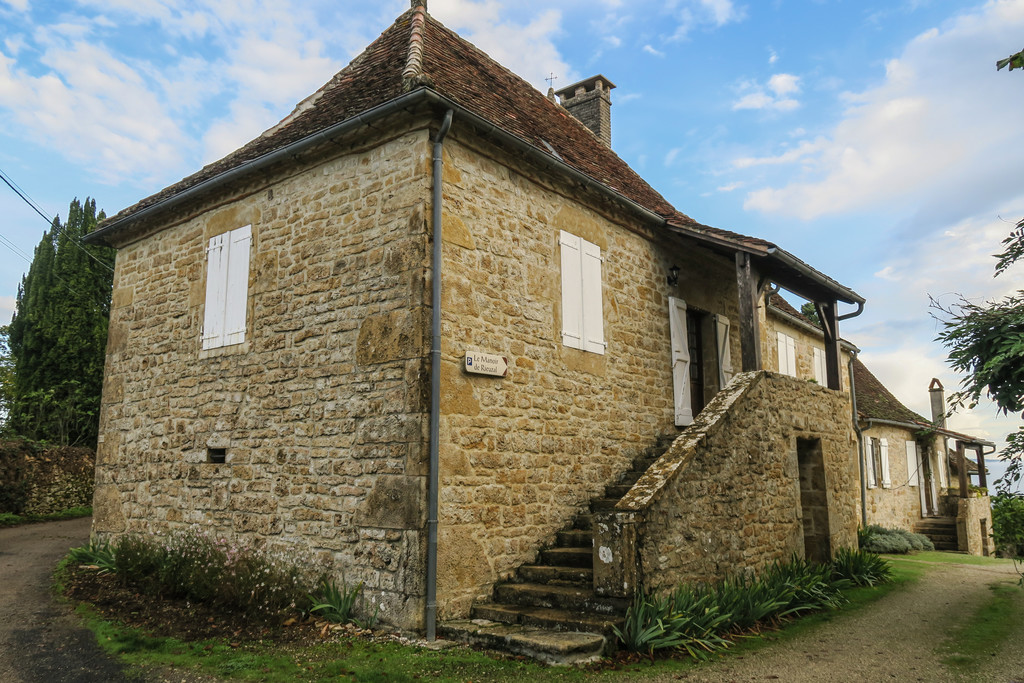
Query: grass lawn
x=10, y=519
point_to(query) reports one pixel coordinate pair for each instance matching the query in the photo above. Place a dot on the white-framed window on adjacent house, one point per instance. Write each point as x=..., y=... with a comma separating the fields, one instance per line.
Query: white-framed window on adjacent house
x=787, y=355
x=878, y=463
x=582, y=310
x=227, y=288
x=820, y=373
x=914, y=477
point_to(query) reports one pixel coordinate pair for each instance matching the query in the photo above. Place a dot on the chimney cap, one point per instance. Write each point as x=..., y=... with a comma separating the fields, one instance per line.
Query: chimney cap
x=587, y=84
x=936, y=385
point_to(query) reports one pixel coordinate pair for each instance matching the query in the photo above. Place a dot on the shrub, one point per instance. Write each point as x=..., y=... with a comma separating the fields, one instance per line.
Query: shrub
x=1008, y=524
x=193, y=565
x=861, y=568
x=698, y=619
x=877, y=539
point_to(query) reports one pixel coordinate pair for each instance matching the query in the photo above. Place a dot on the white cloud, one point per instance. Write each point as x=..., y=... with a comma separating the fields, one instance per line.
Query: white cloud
x=671, y=155
x=804, y=149
x=771, y=96
x=651, y=51
x=18, y=5
x=7, y=304
x=528, y=49
x=772, y=56
x=933, y=133
x=730, y=187
x=697, y=13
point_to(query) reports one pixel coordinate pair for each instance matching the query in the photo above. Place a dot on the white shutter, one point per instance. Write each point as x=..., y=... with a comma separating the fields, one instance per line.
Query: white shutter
x=216, y=275
x=680, y=361
x=787, y=355
x=869, y=457
x=913, y=465
x=572, y=290
x=941, y=460
x=237, y=298
x=593, y=312
x=886, y=480
x=819, y=367
x=724, y=353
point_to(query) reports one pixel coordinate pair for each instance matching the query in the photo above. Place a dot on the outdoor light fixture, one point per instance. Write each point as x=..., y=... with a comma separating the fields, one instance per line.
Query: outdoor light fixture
x=673, y=276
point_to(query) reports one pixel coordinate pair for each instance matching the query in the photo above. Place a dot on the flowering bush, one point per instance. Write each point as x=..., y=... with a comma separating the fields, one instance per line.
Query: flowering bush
x=194, y=565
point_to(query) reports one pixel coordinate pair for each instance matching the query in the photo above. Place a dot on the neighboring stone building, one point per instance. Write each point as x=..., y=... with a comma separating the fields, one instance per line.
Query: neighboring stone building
x=274, y=322
x=912, y=475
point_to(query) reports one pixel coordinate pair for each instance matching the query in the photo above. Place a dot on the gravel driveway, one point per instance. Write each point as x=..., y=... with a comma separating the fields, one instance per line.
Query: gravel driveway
x=892, y=640
x=40, y=640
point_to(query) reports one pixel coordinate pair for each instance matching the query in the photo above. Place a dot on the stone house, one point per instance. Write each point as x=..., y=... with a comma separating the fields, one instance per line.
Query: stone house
x=433, y=328
x=911, y=474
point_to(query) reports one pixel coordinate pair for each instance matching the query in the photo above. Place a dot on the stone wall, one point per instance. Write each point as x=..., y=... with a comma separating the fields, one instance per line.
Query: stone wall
x=726, y=497
x=899, y=506
x=39, y=480
x=974, y=526
x=322, y=410
x=806, y=341
x=523, y=454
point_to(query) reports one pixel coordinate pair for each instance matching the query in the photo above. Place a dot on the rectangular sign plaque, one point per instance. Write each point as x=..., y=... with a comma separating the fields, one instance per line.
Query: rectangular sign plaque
x=491, y=364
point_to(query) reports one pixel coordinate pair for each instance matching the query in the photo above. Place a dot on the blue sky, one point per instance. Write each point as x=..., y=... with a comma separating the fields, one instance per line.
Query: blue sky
x=875, y=140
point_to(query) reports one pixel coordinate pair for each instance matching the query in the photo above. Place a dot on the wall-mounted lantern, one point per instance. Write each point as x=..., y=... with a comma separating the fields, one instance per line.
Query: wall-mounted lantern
x=673, y=276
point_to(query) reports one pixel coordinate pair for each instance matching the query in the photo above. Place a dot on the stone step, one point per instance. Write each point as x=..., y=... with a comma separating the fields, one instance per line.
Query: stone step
x=575, y=538
x=584, y=522
x=554, y=647
x=576, y=598
x=547, y=617
x=603, y=504
x=568, y=557
x=617, y=491
x=547, y=574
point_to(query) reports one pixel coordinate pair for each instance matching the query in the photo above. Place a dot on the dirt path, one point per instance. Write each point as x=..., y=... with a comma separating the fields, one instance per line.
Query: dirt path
x=893, y=640
x=41, y=640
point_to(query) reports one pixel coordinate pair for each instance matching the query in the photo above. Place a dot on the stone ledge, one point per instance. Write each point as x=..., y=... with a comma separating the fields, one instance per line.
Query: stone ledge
x=561, y=648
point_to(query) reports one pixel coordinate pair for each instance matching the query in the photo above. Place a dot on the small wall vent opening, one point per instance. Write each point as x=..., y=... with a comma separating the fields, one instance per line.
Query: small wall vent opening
x=216, y=455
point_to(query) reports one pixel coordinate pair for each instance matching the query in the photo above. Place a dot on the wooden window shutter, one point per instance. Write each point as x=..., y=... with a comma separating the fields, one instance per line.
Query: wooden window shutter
x=237, y=299
x=593, y=311
x=680, y=362
x=572, y=290
x=871, y=455
x=941, y=460
x=884, y=448
x=820, y=374
x=787, y=354
x=724, y=353
x=216, y=276
x=913, y=465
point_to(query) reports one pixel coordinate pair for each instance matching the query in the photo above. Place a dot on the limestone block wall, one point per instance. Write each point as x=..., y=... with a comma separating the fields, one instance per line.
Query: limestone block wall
x=321, y=411
x=523, y=454
x=726, y=497
x=974, y=526
x=897, y=507
x=806, y=342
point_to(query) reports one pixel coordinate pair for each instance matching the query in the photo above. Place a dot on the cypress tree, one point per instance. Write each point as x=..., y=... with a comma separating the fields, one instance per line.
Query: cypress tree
x=58, y=334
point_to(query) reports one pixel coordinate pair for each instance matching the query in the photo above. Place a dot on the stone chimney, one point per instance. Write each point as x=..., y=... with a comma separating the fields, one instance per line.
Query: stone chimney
x=590, y=102
x=937, y=394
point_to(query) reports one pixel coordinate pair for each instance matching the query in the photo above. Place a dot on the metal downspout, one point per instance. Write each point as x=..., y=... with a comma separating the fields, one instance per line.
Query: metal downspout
x=860, y=445
x=435, y=379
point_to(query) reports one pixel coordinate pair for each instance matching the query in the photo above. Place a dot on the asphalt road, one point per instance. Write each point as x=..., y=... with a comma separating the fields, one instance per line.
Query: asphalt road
x=40, y=639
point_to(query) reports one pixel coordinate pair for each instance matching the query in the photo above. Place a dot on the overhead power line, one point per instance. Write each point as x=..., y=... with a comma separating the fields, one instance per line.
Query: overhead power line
x=50, y=222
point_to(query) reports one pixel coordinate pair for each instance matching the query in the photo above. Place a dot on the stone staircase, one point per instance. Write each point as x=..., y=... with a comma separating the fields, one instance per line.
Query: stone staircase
x=940, y=530
x=550, y=611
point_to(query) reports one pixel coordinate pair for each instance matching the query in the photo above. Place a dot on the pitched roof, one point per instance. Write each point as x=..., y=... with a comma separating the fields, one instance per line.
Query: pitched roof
x=418, y=54
x=876, y=402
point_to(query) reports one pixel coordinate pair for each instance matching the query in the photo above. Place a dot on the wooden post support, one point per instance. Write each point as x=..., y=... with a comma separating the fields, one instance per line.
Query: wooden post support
x=982, y=477
x=750, y=334
x=961, y=466
x=828, y=313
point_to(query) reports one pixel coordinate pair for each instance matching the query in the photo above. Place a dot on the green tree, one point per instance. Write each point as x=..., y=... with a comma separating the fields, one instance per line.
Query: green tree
x=1014, y=61
x=58, y=334
x=810, y=311
x=986, y=343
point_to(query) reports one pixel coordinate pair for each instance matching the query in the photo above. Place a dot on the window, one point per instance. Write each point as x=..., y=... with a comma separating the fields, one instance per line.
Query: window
x=878, y=463
x=582, y=312
x=913, y=464
x=787, y=355
x=227, y=288
x=820, y=373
